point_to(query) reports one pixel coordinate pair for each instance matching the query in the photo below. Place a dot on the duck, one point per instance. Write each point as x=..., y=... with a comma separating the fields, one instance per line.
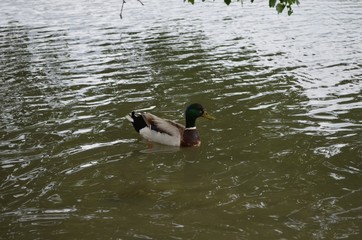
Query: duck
x=168, y=132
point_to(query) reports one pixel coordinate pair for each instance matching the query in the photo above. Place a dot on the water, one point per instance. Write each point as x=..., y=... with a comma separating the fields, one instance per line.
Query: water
x=282, y=160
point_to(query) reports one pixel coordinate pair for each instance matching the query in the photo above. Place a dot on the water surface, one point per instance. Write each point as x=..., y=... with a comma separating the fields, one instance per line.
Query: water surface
x=282, y=160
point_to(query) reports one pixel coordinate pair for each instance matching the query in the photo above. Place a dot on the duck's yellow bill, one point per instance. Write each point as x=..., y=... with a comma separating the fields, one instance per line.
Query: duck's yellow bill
x=207, y=116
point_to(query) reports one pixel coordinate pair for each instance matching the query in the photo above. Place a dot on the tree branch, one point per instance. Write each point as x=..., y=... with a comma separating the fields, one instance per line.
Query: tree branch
x=123, y=2
x=140, y=2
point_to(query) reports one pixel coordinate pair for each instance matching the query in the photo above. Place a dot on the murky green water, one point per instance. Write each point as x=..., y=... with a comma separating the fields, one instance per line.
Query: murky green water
x=282, y=160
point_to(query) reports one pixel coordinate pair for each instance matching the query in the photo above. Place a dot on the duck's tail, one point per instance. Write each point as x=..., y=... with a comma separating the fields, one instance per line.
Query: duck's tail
x=137, y=121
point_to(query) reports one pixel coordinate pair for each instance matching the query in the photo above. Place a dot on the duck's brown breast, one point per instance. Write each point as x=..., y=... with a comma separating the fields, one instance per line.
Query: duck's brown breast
x=190, y=138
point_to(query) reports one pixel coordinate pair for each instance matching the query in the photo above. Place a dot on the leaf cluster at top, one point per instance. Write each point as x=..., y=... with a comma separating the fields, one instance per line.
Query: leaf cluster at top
x=279, y=5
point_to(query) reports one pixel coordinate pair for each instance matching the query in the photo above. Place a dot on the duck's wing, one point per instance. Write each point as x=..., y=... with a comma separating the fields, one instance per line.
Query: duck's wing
x=161, y=130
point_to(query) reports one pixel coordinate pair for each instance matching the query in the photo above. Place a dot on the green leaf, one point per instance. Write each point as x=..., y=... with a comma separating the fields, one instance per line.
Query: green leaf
x=290, y=11
x=280, y=7
x=227, y=2
x=272, y=3
x=191, y=1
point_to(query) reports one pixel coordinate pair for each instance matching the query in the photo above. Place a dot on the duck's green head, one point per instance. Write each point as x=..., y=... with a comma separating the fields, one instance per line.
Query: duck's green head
x=193, y=112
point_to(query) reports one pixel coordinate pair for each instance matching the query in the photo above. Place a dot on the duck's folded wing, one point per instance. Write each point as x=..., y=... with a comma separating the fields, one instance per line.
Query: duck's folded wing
x=162, y=130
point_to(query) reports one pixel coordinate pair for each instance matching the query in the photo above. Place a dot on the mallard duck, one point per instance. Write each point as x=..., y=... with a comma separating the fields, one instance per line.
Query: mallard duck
x=168, y=132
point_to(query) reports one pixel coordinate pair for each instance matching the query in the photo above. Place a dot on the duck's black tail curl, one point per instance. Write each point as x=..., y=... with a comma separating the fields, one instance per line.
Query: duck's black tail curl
x=137, y=121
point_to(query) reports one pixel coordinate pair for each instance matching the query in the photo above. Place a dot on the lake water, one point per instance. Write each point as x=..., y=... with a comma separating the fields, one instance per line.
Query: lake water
x=282, y=160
